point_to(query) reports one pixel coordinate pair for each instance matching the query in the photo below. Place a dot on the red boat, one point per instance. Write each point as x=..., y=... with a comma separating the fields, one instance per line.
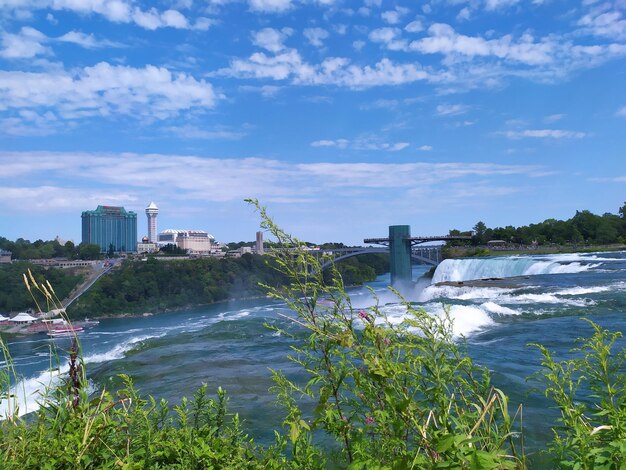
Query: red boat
x=65, y=331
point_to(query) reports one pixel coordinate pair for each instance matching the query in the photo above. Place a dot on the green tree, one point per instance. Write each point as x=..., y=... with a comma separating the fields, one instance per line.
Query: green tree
x=89, y=251
x=479, y=233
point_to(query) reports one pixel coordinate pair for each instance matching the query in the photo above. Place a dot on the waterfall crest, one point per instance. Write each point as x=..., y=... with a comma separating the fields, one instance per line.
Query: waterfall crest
x=466, y=269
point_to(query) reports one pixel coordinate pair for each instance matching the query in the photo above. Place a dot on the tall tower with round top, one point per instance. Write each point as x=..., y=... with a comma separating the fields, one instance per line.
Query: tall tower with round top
x=151, y=212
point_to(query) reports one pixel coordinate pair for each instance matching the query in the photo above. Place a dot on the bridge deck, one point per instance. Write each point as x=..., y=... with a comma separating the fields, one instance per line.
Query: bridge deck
x=418, y=240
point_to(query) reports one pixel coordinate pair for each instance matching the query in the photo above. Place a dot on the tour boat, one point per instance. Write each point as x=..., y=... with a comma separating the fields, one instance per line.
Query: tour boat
x=66, y=330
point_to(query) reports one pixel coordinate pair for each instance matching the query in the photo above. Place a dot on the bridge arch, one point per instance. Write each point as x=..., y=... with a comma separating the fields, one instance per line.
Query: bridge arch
x=414, y=257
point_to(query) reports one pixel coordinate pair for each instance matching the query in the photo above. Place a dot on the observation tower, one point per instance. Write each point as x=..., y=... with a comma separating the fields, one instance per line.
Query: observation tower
x=151, y=212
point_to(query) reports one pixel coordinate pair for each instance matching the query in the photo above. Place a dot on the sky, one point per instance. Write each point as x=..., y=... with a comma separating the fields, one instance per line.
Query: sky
x=341, y=117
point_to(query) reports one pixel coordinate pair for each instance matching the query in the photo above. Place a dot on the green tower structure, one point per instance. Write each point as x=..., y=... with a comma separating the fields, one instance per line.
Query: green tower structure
x=400, y=253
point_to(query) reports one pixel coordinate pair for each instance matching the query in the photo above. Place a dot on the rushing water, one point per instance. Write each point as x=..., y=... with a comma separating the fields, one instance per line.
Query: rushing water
x=171, y=355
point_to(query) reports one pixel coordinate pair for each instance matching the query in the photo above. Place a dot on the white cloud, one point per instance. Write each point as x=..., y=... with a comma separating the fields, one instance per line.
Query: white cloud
x=338, y=71
x=394, y=16
x=193, y=132
x=358, y=45
x=621, y=112
x=451, y=109
x=117, y=11
x=464, y=15
x=271, y=39
x=27, y=44
x=270, y=6
x=543, y=134
x=414, y=27
x=339, y=143
x=30, y=123
x=443, y=39
x=105, y=89
x=389, y=37
x=361, y=144
x=88, y=41
x=425, y=148
x=192, y=178
x=553, y=118
x=498, y=4
x=605, y=20
x=315, y=36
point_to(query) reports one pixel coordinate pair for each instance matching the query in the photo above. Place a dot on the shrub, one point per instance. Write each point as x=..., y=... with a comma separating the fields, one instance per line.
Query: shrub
x=589, y=390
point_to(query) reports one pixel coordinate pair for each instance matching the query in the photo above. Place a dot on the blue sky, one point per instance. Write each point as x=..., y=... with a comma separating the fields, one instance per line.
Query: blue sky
x=342, y=117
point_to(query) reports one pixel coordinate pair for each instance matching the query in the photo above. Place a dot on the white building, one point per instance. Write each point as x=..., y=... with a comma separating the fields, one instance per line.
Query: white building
x=151, y=212
x=193, y=241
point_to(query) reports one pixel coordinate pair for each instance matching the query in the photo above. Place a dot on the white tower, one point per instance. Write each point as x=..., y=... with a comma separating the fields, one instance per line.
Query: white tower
x=151, y=212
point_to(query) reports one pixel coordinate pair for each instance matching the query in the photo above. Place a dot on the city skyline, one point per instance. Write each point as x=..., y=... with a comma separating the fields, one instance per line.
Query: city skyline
x=342, y=117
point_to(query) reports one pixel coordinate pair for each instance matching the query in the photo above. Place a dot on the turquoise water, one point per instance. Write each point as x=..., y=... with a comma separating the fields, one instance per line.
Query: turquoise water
x=227, y=345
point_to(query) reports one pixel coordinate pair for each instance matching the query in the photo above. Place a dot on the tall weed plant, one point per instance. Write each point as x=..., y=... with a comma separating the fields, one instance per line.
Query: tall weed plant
x=390, y=395
x=589, y=390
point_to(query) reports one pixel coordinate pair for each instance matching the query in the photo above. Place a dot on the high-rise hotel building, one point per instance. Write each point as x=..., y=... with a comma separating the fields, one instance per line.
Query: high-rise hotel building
x=110, y=225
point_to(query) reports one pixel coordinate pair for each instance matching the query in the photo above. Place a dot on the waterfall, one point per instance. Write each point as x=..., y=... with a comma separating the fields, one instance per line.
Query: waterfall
x=466, y=269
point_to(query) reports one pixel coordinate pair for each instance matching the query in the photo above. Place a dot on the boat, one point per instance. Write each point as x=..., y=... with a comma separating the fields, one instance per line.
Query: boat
x=66, y=330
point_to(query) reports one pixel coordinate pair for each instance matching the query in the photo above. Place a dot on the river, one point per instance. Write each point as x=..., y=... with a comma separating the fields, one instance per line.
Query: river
x=171, y=355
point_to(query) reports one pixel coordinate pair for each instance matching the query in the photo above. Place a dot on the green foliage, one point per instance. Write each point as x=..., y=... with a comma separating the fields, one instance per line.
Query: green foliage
x=584, y=228
x=390, y=396
x=25, y=250
x=357, y=270
x=14, y=295
x=156, y=285
x=590, y=392
x=127, y=431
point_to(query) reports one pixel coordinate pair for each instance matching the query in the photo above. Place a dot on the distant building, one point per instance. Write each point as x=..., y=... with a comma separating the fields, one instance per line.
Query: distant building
x=146, y=246
x=239, y=252
x=151, y=212
x=258, y=248
x=110, y=225
x=194, y=241
x=5, y=256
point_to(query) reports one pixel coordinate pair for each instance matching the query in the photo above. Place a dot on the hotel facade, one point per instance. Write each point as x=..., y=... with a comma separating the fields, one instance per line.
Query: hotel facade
x=110, y=225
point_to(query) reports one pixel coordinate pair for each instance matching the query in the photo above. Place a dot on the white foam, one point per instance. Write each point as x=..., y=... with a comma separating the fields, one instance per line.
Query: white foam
x=30, y=392
x=583, y=290
x=498, y=309
x=466, y=319
x=229, y=316
x=27, y=394
x=461, y=292
x=119, y=350
x=571, y=268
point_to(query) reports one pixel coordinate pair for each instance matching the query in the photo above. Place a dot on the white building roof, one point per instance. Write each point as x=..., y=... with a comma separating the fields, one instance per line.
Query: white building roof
x=152, y=205
x=23, y=317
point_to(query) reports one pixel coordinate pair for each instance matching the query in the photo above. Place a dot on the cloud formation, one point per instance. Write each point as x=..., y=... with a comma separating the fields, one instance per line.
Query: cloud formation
x=104, y=90
x=191, y=178
x=544, y=134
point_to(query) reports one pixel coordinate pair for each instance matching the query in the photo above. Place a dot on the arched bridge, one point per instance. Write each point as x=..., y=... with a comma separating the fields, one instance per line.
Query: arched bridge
x=402, y=249
x=430, y=255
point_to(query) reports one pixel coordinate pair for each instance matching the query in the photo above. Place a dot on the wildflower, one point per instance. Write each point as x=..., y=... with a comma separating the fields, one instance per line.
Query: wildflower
x=387, y=341
x=369, y=420
x=363, y=314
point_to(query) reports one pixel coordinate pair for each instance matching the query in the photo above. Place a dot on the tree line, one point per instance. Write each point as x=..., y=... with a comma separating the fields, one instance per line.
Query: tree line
x=14, y=296
x=155, y=285
x=22, y=249
x=584, y=228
